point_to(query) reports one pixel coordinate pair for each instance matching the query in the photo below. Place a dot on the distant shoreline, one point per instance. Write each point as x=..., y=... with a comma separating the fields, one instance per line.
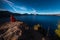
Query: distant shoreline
x=8, y=13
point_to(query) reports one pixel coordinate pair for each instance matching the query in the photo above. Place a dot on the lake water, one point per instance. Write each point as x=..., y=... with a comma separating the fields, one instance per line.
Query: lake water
x=44, y=21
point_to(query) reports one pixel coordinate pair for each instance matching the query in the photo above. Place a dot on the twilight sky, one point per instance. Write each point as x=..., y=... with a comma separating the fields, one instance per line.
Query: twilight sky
x=31, y=6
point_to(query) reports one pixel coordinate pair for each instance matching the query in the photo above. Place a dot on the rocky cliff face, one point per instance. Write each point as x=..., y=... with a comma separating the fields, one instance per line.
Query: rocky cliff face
x=12, y=30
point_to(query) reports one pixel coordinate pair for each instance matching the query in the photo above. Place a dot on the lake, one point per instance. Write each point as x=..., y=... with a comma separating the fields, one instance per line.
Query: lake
x=44, y=21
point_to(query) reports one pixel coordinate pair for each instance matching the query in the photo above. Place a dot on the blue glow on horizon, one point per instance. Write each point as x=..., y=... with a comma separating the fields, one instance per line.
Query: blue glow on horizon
x=31, y=6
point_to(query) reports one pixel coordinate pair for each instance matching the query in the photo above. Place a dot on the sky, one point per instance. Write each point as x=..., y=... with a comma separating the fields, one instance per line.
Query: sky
x=31, y=6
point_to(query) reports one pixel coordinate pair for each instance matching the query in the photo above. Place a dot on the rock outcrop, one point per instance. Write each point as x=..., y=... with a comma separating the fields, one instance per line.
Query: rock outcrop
x=12, y=30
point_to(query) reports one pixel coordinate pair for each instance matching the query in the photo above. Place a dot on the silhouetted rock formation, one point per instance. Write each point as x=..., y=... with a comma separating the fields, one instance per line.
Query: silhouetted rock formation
x=4, y=14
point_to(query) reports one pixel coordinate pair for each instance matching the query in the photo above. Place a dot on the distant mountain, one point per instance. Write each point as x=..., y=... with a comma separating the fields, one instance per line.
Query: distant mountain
x=4, y=14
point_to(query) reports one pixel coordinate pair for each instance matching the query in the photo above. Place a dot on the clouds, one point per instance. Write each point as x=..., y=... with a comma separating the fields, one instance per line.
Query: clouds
x=11, y=5
x=34, y=11
x=31, y=6
x=22, y=8
x=15, y=7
